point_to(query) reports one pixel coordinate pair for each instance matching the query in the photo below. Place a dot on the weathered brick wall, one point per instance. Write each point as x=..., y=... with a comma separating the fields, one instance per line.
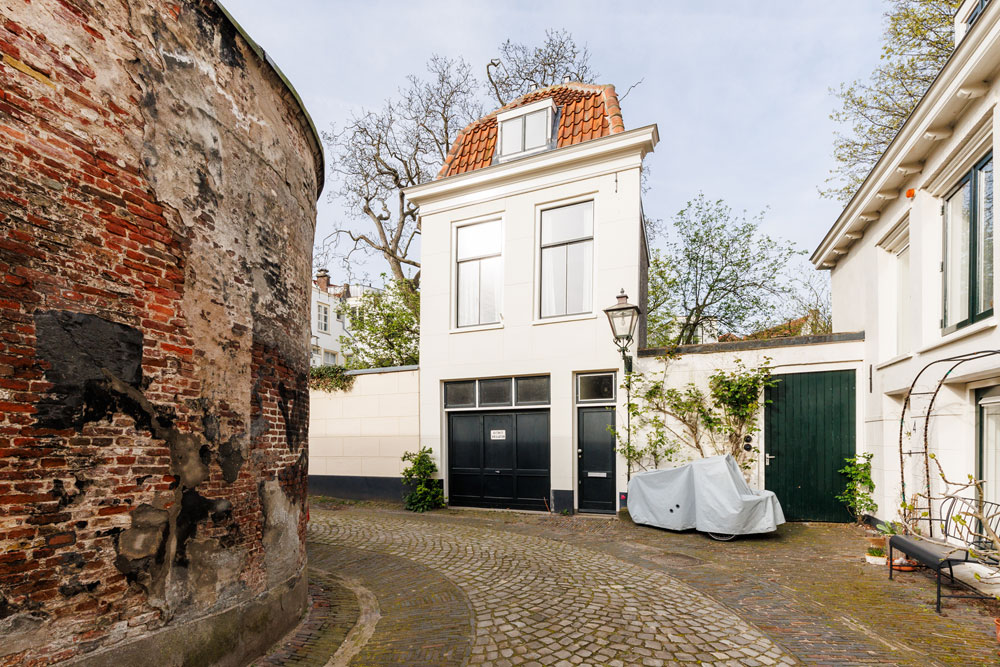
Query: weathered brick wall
x=157, y=208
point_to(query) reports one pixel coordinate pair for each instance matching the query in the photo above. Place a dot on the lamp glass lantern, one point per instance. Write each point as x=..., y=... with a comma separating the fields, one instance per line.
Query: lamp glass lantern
x=623, y=317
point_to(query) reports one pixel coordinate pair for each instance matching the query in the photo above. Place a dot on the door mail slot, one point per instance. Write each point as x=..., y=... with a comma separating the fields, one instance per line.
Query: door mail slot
x=597, y=474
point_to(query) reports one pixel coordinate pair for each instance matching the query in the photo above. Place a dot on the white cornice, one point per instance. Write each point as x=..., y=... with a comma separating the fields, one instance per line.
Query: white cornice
x=981, y=44
x=640, y=140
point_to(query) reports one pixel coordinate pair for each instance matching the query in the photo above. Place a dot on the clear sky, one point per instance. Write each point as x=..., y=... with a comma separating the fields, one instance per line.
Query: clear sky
x=739, y=89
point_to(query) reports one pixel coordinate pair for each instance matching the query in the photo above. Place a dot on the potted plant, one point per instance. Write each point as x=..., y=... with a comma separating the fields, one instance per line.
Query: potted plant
x=875, y=555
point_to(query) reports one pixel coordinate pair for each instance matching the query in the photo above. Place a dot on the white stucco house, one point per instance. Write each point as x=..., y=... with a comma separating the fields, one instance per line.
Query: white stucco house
x=532, y=228
x=329, y=322
x=913, y=264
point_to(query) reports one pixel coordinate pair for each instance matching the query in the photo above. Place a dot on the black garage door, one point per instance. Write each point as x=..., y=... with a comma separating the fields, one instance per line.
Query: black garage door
x=499, y=459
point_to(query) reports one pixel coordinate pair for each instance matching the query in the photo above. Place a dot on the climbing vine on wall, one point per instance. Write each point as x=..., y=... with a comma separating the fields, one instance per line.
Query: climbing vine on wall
x=330, y=378
x=671, y=423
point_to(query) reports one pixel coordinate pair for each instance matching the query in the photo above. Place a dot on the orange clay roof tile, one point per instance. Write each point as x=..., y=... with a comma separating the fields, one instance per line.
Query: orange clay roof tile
x=586, y=112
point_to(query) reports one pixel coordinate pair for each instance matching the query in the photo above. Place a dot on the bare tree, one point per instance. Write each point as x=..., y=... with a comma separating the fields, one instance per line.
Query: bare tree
x=379, y=153
x=521, y=68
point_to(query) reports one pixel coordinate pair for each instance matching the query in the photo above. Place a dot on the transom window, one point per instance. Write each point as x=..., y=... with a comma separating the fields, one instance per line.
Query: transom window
x=322, y=317
x=480, y=273
x=567, y=259
x=968, y=248
x=595, y=387
x=532, y=390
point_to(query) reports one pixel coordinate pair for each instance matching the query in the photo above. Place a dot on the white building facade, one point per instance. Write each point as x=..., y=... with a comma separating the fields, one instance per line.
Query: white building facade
x=533, y=229
x=913, y=263
x=329, y=318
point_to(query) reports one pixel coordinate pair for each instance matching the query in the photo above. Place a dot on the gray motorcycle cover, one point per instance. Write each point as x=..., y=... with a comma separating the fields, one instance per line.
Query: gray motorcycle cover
x=708, y=494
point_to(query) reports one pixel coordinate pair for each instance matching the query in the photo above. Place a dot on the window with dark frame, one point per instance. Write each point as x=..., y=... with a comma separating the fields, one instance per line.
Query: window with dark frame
x=527, y=391
x=567, y=260
x=968, y=248
x=977, y=11
x=595, y=387
x=480, y=274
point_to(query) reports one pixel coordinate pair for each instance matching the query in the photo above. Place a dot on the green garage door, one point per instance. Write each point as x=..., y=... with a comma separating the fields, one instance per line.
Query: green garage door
x=809, y=429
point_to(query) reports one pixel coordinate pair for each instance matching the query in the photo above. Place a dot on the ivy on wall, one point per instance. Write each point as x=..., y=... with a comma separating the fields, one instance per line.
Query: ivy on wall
x=330, y=378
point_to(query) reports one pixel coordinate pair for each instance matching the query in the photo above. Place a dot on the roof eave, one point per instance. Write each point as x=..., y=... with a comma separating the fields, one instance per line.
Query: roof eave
x=643, y=139
x=909, y=134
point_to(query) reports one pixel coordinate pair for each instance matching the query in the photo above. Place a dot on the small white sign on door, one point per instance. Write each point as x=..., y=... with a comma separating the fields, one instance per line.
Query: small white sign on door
x=498, y=434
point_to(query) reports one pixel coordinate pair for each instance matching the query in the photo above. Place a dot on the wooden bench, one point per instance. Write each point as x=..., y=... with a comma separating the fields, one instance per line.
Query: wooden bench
x=961, y=542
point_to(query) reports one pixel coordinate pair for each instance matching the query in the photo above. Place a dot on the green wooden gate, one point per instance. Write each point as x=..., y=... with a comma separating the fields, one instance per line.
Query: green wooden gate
x=809, y=429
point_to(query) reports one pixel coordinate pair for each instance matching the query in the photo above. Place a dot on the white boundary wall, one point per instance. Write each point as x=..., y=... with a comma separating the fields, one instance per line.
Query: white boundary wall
x=697, y=362
x=365, y=431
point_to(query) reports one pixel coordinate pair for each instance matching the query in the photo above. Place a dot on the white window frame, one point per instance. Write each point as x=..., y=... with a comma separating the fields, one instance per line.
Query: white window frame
x=539, y=211
x=333, y=354
x=547, y=105
x=322, y=317
x=490, y=217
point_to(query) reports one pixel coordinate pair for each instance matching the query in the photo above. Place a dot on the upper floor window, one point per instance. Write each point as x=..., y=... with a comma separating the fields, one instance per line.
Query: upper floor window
x=480, y=273
x=968, y=248
x=526, y=129
x=322, y=317
x=977, y=11
x=567, y=259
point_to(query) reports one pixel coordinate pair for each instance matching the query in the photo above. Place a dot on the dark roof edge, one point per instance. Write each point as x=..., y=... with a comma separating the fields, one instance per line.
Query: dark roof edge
x=262, y=54
x=384, y=369
x=740, y=345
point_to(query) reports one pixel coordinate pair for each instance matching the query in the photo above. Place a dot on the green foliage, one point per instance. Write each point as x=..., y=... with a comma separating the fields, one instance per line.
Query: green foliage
x=876, y=551
x=718, y=273
x=384, y=328
x=739, y=396
x=425, y=493
x=857, y=494
x=667, y=420
x=917, y=41
x=330, y=378
x=890, y=528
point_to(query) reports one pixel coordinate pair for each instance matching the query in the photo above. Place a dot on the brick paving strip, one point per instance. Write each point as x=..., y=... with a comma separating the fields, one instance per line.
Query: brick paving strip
x=467, y=587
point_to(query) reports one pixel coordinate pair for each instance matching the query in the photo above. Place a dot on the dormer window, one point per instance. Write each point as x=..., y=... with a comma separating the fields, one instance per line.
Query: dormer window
x=525, y=130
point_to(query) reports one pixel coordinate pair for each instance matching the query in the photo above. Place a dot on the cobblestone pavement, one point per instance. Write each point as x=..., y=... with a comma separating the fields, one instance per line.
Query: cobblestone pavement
x=501, y=588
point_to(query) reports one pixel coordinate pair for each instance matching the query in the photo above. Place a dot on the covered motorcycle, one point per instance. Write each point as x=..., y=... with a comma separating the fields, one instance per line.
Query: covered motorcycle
x=709, y=495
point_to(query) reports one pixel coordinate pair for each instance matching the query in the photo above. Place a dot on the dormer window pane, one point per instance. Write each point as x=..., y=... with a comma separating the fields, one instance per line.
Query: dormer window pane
x=534, y=130
x=510, y=136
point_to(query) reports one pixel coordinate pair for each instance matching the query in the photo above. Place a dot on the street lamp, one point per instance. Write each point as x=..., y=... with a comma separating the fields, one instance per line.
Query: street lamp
x=623, y=317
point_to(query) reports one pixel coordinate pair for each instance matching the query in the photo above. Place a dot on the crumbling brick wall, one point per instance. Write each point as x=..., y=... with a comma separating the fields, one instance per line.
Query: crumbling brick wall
x=157, y=208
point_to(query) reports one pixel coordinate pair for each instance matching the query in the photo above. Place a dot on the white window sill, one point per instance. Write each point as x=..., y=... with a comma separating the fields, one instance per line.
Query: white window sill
x=964, y=332
x=565, y=318
x=894, y=360
x=478, y=327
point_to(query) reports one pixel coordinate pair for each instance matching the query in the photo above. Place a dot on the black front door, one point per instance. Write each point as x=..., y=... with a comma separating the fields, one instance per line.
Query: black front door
x=499, y=459
x=596, y=459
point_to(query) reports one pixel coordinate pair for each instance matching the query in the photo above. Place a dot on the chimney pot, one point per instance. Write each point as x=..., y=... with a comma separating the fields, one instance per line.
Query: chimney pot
x=323, y=280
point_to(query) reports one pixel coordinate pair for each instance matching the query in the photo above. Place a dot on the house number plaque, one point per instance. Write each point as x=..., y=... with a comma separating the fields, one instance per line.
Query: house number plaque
x=498, y=434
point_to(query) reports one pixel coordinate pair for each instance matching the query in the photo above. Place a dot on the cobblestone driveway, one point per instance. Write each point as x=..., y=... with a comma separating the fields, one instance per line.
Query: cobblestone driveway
x=457, y=587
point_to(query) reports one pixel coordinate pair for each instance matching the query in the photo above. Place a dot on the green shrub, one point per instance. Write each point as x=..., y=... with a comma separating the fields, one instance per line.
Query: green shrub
x=857, y=494
x=330, y=378
x=425, y=493
x=876, y=551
